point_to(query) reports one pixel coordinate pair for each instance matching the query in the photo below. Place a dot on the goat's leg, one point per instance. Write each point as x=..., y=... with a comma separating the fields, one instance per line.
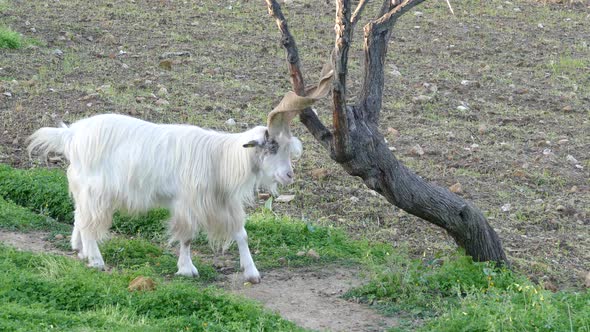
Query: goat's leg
x=251, y=273
x=90, y=247
x=76, y=240
x=185, y=263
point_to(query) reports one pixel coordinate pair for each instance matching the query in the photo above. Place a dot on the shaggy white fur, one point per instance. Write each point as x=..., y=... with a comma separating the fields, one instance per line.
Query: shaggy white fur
x=204, y=177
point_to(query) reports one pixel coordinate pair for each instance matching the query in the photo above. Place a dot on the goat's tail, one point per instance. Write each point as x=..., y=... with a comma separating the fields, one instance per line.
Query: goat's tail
x=47, y=139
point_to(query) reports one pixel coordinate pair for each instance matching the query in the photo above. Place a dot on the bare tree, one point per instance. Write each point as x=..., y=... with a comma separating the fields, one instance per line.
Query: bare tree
x=358, y=146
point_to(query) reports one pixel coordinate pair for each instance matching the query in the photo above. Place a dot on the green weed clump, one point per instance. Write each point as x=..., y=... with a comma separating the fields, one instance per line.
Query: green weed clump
x=39, y=292
x=16, y=218
x=278, y=240
x=9, y=38
x=41, y=190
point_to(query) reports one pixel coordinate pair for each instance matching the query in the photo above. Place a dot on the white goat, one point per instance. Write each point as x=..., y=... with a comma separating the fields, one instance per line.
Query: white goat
x=204, y=177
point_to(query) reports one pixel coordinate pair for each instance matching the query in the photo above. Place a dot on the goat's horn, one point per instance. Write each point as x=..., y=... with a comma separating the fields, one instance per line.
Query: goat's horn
x=292, y=104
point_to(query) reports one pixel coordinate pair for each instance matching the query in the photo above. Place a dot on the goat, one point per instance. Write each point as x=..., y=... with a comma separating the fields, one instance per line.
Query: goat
x=202, y=176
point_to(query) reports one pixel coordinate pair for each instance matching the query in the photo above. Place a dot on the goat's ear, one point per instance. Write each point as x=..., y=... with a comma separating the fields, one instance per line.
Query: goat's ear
x=251, y=144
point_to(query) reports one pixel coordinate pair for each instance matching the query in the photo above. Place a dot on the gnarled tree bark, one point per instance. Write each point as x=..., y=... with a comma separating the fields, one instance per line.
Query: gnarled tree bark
x=360, y=148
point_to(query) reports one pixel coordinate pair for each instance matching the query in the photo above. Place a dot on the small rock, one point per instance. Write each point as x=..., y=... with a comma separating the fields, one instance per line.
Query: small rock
x=550, y=286
x=482, y=129
x=462, y=108
x=373, y=193
x=573, y=189
x=33, y=30
x=263, y=196
x=563, y=141
x=139, y=99
x=516, y=9
x=418, y=14
x=571, y=159
x=313, y=254
x=456, y=188
x=59, y=236
x=474, y=147
x=285, y=198
x=421, y=98
x=89, y=105
x=142, y=284
x=300, y=253
x=166, y=64
x=354, y=199
x=506, y=207
x=540, y=26
x=15, y=141
x=560, y=208
x=547, y=152
x=319, y=173
x=162, y=91
x=392, y=132
x=162, y=102
x=58, y=52
x=417, y=150
x=567, y=108
x=125, y=66
x=230, y=122
x=7, y=94
x=282, y=260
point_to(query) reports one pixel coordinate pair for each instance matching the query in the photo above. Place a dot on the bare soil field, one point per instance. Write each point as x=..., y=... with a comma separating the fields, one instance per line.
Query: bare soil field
x=495, y=98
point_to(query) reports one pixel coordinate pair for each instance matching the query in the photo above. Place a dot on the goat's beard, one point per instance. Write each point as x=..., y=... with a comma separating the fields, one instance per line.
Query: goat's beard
x=269, y=184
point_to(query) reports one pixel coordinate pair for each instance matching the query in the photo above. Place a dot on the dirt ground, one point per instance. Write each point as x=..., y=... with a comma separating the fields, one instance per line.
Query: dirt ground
x=496, y=96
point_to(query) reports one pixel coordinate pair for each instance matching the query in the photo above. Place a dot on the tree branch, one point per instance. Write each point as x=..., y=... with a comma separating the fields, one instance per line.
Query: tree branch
x=377, y=35
x=357, y=13
x=340, y=117
x=307, y=117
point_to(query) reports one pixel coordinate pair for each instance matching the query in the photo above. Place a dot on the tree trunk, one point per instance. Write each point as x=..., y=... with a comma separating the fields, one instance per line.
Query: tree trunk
x=360, y=148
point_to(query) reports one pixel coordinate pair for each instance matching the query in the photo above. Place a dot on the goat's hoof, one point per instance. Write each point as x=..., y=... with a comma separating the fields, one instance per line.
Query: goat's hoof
x=254, y=279
x=191, y=272
x=81, y=255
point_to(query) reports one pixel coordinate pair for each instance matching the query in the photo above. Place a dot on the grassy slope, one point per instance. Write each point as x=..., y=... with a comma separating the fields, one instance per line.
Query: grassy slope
x=447, y=293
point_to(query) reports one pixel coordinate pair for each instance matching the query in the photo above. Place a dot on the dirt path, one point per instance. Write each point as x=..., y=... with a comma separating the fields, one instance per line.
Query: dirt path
x=31, y=241
x=309, y=296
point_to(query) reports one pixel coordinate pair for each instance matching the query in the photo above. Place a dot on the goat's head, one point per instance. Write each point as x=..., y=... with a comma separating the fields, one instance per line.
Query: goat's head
x=275, y=153
x=279, y=147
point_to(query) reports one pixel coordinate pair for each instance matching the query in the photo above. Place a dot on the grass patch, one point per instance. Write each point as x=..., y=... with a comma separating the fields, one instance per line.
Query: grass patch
x=148, y=259
x=41, y=190
x=456, y=294
x=9, y=38
x=17, y=218
x=41, y=292
x=278, y=240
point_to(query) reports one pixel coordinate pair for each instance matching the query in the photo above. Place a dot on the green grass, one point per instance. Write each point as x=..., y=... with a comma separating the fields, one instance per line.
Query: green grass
x=456, y=294
x=42, y=292
x=444, y=293
x=10, y=38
